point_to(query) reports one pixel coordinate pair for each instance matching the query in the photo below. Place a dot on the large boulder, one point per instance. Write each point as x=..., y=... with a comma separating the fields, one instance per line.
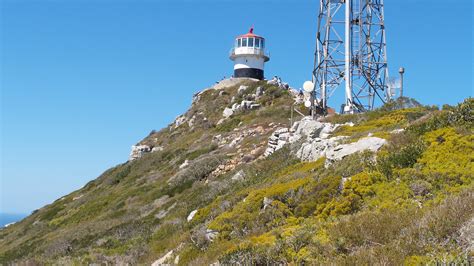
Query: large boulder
x=227, y=112
x=311, y=128
x=138, y=151
x=242, y=89
x=179, y=121
x=314, y=149
x=368, y=143
x=246, y=104
x=313, y=134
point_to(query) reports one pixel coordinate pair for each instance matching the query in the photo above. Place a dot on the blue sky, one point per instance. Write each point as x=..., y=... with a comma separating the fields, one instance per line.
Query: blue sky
x=82, y=80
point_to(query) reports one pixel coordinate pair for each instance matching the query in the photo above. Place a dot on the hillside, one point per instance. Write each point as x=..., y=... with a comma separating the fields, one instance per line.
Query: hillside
x=234, y=181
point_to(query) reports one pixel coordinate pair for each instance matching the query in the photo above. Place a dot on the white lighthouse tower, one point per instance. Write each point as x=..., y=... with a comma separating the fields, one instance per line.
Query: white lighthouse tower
x=249, y=56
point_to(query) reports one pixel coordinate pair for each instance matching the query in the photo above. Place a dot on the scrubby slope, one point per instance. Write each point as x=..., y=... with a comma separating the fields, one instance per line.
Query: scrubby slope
x=413, y=202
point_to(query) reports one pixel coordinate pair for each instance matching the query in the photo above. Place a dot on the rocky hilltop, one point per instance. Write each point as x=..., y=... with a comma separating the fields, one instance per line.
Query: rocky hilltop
x=243, y=177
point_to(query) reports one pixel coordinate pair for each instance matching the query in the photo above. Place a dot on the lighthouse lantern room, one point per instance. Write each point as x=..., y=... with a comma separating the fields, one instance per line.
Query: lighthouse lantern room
x=249, y=56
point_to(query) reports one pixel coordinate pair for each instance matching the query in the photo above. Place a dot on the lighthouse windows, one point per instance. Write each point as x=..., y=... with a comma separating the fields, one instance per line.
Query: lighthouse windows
x=250, y=42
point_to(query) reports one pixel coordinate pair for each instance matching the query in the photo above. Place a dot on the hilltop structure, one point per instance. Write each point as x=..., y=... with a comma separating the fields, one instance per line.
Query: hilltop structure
x=249, y=56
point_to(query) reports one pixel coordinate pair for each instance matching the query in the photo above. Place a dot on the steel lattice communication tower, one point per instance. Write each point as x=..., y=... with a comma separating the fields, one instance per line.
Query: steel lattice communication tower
x=351, y=47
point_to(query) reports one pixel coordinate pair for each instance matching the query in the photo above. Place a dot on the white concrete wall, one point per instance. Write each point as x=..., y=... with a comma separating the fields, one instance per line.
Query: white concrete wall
x=249, y=62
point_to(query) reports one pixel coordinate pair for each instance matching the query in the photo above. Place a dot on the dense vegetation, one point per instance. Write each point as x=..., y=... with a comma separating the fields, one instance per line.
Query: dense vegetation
x=408, y=204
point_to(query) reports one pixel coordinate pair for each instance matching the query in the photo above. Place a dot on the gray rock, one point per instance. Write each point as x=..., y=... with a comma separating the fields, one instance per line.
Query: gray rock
x=281, y=130
x=196, y=98
x=239, y=176
x=161, y=214
x=235, y=107
x=235, y=141
x=163, y=260
x=285, y=86
x=242, y=89
x=255, y=106
x=314, y=149
x=184, y=164
x=157, y=148
x=246, y=104
x=266, y=202
x=397, y=131
x=280, y=144
x=191, y=215
x=227, y=112
x=138, y=151
x=341, y=151
x=310, y=128
x=313, y=134
x=259, y=91
x=343, y=181
x=211, y=234
x=192, y=121
x=179, y=121
x=284, y=136
x=272, y=82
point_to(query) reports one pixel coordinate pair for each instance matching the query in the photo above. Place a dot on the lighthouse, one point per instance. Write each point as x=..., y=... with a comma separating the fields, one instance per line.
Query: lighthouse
x=249, y=56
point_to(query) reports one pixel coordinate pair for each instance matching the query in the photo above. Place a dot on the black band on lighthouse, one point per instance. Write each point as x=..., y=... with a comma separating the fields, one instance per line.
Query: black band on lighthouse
x=248, y=73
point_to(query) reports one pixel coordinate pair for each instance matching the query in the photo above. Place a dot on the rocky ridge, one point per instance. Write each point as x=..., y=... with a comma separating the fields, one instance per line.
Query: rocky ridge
x=312, y=140
x=250, y=188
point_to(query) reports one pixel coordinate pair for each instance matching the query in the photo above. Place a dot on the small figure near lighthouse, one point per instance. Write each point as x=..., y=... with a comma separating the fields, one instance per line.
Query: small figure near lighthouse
x=249, y=56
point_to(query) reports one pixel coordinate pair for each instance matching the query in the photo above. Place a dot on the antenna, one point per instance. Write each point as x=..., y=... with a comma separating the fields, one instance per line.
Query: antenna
x=351, y=49
x=308, y=86
x=401, y=71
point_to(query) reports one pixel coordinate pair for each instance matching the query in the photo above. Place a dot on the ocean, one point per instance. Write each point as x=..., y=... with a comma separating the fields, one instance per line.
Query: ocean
x=7, y=218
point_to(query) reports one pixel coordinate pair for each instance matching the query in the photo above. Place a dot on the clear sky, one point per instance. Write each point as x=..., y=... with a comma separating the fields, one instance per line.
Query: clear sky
x=83, y=80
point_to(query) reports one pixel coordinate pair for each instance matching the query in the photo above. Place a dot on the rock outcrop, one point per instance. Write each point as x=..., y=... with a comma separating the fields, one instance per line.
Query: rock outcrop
x=236, y=107
x=312, y=140
x=179, y=121
x=277, y=140
x=313, y=149
x=341, y=151
x=138, y=151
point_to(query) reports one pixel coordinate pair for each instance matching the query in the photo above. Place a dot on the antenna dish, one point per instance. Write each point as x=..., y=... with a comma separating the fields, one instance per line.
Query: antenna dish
x=307, y=104
x=308, y=86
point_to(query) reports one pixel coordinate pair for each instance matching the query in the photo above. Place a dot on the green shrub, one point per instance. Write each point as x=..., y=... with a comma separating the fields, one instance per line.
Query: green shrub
x=404, y=158
x=449, y=156
x=247, y=216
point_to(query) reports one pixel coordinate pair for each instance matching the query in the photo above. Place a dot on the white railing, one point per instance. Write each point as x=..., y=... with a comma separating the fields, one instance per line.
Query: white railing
x=248, y=50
